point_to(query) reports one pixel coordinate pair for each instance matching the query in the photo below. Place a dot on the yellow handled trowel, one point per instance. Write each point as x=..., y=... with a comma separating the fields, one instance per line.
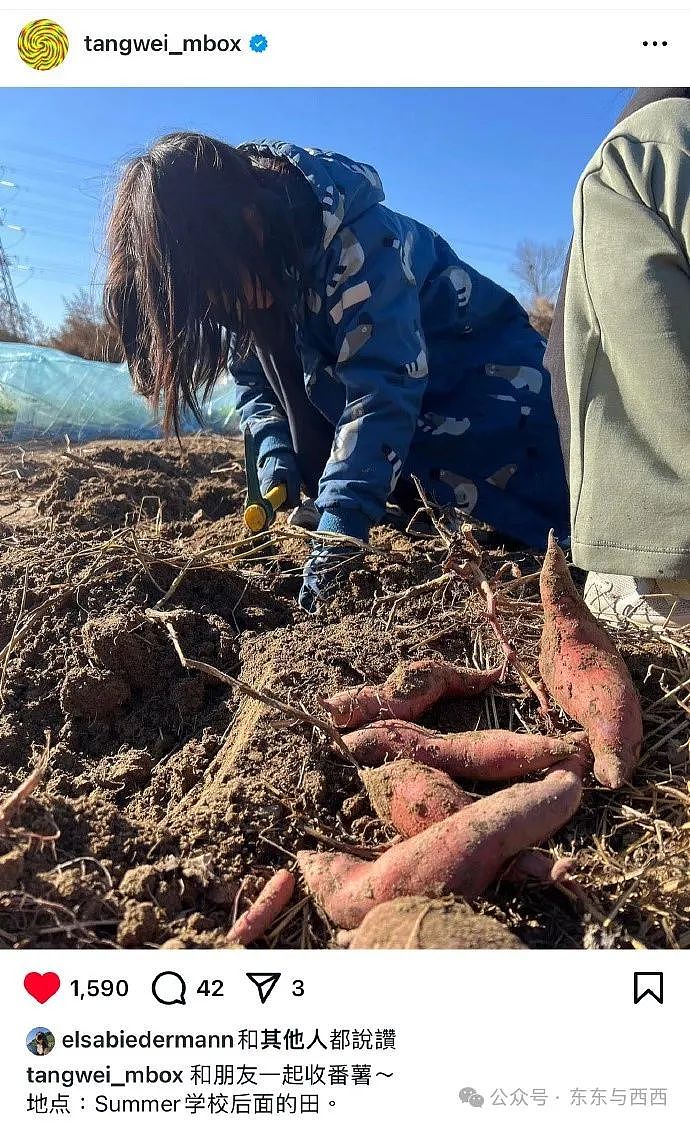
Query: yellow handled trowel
x=260, y=511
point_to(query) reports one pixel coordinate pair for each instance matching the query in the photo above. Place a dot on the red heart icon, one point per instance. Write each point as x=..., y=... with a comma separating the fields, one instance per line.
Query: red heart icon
x=41, y=985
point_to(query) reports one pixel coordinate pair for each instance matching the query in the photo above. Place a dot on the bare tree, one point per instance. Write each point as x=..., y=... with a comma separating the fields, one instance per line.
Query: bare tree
x=34, y=330
x=84, y=331
x=541, y=315
x=539, y=266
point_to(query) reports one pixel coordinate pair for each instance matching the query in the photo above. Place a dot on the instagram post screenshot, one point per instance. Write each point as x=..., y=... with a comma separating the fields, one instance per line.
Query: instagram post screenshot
x=344, y=564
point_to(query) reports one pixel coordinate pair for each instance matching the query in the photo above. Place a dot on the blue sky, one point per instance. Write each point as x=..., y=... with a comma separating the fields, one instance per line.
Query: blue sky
x=486, y=168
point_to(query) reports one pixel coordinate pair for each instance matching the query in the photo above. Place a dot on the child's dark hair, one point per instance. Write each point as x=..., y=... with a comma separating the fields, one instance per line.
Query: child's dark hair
x=191, y=228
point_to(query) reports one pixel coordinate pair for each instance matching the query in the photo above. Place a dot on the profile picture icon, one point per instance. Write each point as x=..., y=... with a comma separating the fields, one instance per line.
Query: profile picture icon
x=40, y=1041
x=43, y=44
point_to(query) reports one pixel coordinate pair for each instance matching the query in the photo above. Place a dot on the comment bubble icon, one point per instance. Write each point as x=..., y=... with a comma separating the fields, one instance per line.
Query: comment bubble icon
x=169, y=988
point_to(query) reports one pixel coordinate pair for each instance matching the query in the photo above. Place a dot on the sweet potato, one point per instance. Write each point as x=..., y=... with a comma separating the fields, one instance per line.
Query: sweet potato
x=411, y=796
x=422, y=923
x=462, y=854
x=484, y=755
x=274, y=897
x=538, y=867
x=585, y=674
x=409, y=691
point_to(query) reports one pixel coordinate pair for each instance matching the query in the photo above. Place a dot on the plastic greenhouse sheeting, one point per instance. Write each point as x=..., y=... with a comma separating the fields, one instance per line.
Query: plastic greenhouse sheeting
x=45, y=393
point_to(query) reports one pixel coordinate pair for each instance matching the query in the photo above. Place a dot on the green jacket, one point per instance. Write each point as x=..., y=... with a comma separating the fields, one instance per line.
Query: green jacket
x=624, y=411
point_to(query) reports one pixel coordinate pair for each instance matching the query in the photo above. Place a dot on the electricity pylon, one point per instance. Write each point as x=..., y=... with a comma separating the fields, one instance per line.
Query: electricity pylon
x=11, y=318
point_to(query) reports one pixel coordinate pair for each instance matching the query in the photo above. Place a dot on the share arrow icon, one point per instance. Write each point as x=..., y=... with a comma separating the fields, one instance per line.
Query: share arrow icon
x=265, y=983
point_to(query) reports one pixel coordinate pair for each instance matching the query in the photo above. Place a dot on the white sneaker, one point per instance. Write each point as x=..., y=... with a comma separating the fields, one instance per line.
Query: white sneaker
x=619, y=598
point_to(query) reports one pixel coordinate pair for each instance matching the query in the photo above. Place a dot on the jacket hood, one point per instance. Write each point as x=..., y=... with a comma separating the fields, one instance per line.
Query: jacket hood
x=647, y=95
x=343, y=188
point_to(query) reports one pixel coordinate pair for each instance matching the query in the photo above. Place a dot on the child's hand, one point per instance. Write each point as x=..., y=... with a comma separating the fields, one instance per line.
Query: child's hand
x=280, y=467
x=323, y=573
x=329, y=563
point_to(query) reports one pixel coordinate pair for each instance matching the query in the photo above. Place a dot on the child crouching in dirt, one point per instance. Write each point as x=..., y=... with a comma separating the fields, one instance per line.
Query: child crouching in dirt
x=364, y=350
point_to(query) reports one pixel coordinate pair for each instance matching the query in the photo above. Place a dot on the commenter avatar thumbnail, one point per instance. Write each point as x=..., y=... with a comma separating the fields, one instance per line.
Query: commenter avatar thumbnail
x=40, y=1041
x=43, y=44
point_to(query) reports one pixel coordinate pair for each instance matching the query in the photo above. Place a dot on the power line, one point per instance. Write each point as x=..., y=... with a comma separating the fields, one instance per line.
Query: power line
x=51, y=154
x=28, y=200
x=79, y=237
x=27, y=216
x=24, y=205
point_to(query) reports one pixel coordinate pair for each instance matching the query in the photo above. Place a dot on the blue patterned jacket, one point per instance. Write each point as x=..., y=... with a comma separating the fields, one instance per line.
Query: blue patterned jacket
x=422, y=366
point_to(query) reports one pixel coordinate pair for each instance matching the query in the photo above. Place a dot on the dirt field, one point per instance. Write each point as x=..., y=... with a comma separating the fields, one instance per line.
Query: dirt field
x=170, y=797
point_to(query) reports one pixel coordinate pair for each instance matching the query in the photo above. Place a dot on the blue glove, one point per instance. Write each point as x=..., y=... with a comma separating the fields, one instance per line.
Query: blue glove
x=327, y=565
x=279, y=466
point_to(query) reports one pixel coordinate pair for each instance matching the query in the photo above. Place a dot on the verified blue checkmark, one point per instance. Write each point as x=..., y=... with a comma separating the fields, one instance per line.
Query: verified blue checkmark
x=258, y=43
